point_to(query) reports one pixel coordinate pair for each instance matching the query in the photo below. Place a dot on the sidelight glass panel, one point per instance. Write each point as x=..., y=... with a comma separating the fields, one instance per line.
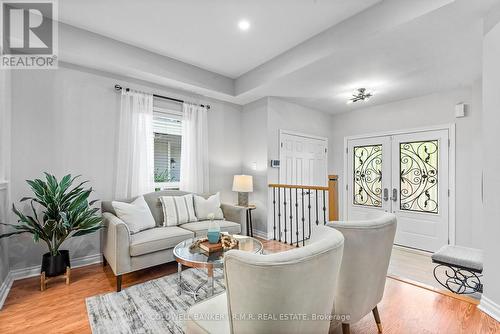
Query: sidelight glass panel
x=367, y=175
x=419, y=176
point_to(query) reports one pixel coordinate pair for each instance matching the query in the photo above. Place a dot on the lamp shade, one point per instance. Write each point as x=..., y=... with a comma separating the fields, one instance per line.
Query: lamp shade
x=243, y=183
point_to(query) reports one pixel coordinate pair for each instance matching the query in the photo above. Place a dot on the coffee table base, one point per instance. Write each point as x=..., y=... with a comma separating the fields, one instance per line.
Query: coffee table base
x=182, y=286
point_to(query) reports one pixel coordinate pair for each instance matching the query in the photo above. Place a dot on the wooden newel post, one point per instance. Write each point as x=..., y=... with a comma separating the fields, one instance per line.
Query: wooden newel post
x=333, y=195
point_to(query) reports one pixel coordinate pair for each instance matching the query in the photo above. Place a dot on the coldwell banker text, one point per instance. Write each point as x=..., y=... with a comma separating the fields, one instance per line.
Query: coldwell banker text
x=29, y=34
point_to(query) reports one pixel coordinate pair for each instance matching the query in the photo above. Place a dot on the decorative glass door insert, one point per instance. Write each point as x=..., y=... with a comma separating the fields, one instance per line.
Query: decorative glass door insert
x=419, y=176
x=367, y=175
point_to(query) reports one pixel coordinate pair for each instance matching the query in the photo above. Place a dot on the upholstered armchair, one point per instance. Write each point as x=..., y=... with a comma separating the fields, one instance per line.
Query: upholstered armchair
x=367, y=251
x=264, y=291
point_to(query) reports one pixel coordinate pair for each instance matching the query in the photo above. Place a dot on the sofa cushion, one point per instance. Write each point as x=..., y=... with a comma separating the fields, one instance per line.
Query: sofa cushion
x=206, y=207
x=157, y=239
x=200, y=228
x=154, y=203
x=178, y=210
x=136, y=215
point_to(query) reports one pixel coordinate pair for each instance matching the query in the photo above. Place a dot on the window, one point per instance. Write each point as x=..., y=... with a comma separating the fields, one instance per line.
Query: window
x=167, y=128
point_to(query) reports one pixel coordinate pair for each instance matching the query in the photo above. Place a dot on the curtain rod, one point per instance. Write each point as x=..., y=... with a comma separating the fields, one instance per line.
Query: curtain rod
x=119, y=88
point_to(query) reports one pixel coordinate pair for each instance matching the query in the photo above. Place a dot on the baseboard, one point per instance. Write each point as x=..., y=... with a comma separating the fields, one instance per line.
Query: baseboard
x=18, y=274
x=33, y=271
x=5, y=288
x=413, y=250
x=490, y=308
x=260, y=234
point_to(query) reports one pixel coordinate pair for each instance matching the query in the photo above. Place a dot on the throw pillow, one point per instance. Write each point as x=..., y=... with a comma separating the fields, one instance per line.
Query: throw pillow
x=205, y=207
x=178, y=210
x=136, y=215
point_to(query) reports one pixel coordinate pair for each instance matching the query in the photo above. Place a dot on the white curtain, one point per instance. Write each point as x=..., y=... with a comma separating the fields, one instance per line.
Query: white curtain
x=135, y=153
x=194, y=152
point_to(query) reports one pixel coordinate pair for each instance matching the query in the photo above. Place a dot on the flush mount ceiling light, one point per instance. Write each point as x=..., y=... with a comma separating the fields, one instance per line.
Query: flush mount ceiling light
x=360, y=95
x=244, y=25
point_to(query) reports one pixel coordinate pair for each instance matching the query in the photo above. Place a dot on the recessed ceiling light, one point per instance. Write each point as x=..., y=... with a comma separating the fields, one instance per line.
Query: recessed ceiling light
x=244, y=25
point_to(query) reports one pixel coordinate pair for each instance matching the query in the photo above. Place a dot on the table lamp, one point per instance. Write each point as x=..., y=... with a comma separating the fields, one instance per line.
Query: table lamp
x=243, y=184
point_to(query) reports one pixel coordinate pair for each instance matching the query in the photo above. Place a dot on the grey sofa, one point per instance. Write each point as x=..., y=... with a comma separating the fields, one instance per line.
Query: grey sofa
x=126, y=252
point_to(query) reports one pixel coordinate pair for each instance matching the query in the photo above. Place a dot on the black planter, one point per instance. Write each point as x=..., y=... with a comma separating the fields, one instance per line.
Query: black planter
x=55, y=265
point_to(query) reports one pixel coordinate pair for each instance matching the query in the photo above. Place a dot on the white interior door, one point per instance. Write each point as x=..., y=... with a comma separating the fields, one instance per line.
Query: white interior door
x=407, y=174
x=303, y=161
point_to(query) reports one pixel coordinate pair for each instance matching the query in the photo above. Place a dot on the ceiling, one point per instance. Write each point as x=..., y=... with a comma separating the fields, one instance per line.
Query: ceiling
x=313, y=53
x=205, y=33
x=436, y=52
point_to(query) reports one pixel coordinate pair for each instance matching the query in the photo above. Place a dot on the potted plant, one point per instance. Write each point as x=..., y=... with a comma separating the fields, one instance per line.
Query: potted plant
x=64, y=212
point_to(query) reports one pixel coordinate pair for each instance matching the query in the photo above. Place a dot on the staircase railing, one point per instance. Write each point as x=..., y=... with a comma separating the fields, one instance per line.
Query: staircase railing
x=294, y=213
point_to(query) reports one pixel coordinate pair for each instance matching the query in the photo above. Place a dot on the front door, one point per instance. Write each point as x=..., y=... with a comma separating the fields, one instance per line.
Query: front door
x=406, y=174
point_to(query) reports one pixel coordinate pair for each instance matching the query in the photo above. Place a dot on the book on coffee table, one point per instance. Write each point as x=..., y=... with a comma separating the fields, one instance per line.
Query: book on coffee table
x=210, y=248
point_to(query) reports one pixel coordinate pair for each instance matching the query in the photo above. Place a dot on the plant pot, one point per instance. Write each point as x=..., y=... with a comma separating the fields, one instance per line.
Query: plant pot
x=55, y=265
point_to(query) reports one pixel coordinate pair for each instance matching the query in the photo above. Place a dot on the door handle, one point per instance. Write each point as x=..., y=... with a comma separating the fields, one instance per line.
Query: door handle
x=386, y=194
x=394, y=197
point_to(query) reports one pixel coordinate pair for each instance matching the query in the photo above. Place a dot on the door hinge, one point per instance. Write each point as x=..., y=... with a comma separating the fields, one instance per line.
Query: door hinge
x=346, y=187
x=449, y=142
x=326, y=150
x=346, y=150
x=281, y=145
x=449, y=192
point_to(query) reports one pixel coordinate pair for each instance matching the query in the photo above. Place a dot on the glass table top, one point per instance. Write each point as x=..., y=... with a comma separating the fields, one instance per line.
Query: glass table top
x=198, y=256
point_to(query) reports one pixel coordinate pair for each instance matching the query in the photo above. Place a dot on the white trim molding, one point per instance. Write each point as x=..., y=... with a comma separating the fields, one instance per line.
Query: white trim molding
x=33, y=271
x=5, y=288
x=490, y=308
x=261, y=234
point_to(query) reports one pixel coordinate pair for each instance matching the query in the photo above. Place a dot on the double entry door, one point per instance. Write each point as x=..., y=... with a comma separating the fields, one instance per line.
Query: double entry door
x=406, y=174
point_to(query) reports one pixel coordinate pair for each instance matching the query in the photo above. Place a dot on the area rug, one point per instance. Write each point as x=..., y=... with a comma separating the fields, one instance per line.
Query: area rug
x=150, y=307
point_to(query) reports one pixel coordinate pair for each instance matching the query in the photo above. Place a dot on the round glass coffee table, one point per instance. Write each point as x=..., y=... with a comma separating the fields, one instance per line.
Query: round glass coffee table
x=198, y=258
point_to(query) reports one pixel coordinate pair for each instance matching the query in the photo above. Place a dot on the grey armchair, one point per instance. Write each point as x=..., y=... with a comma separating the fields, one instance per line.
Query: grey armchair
x=261, y=289
x=367, y=252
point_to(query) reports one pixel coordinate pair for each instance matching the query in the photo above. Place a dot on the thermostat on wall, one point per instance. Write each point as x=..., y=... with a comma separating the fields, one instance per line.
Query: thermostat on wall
x=275, y=163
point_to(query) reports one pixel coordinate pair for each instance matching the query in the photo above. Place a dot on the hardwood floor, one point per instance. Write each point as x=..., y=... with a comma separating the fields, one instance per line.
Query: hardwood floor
x=61, y=309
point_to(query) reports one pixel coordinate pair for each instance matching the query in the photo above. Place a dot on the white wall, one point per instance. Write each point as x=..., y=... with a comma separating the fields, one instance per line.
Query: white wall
x=284, y=115
x=64, y=121
x=430, y=110
x=254, y=158
x=5, y=114
x=261, y=122
x=490, y=301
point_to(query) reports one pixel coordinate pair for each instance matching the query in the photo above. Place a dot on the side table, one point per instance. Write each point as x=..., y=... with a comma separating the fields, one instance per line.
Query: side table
x=249, y=209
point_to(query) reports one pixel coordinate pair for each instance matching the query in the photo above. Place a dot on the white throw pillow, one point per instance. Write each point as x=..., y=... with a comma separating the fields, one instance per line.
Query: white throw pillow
x=136, y=215
x=178, y=210
x=205, y=207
